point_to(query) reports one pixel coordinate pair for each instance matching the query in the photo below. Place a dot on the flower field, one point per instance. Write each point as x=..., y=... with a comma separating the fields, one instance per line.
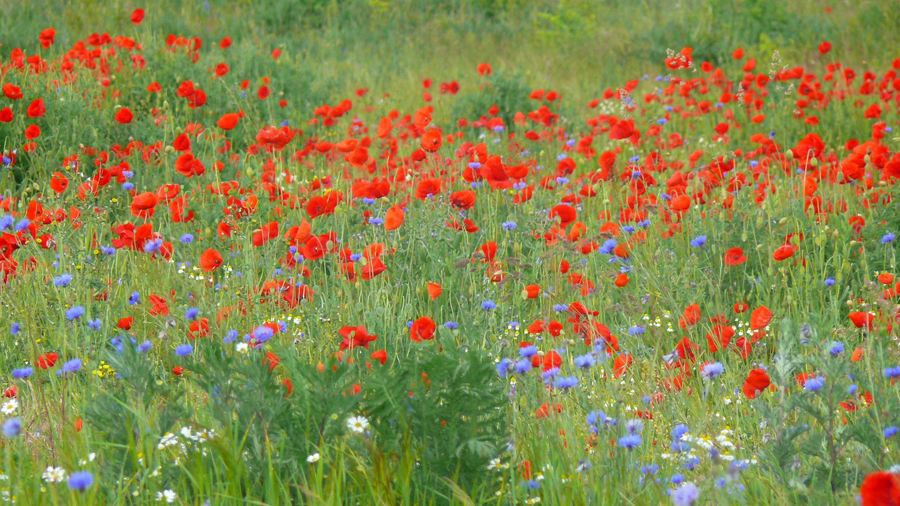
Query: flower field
x=248, y=262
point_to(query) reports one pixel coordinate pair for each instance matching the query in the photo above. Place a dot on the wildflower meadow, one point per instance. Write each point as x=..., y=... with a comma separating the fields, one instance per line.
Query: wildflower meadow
x=450, y=252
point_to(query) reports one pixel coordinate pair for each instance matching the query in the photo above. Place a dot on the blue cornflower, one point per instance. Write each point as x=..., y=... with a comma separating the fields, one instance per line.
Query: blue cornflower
x=509, y=225
x=814, y=384
x=503, y=367
x=636, y=330
x=70, y=367
x=153, y=246
x=191, y=313
x=376, y=221
x=187, y=239
x=230, y=337
x=6, y=222
x=686, y=494
x=22, y=373
x=488, y=305
x=74, y=313
x=62, y=280
x=81, y=481
x=679, y=431
x=263, y=333
x=710, y=371
x=676, y=478
x=134, y=299
x=95, y=323
x=565, y=382
x=523, y=366
x=15, y=328
x=608, y=246
x=635, y=426
x=12, y=427
x=528, y=351
x=891, y=431
x=888, y=237
x=22, y=224
x=550, y=373
x=144, y=347
x=451, y=325
x=184, y=350
x=584, y=361
x=836, y=348
x=560, y=307
x=630, y=442
x=698, y=241
x=596, y=418
x=892, y=372
x=650, y=469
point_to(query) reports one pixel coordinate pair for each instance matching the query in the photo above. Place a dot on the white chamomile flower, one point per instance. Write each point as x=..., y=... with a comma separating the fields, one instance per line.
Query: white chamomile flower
x=168, y=439
x=54, y=474
x=9, y=407
x=312, y=459
x=357, y=424
x=167, y=495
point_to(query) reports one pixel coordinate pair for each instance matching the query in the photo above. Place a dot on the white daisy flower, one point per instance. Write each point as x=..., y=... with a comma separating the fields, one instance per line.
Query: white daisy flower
x=54, y=474
x=357, y=424
x=9, y=407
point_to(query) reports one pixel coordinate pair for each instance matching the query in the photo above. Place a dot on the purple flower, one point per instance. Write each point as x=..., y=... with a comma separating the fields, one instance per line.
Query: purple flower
x=630, y=442
x=12, y=427
x=584, y=361
x=191, y=313
x=70, y=367
x=74, y=313
x=503, y=367
x=62, y=280
x=814, y=384
x=565, y=382
x=81, y=481
x=710, y=371
x=685, y=495
x=528, y=351
x=153, y=246
x=888, y=237
x=263, y=333
x=523, y=366
x=22, y=373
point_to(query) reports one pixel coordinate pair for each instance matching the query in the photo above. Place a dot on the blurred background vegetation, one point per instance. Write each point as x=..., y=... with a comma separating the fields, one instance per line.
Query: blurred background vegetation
x=576, y=46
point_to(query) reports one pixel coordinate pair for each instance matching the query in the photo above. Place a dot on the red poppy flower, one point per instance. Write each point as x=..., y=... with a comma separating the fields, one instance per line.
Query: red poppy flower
x=422, y=329
x=760, y=317
x=124, y=116
x=756, y=381
x=880, y=488
x=735, y=256
x=210, y=260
